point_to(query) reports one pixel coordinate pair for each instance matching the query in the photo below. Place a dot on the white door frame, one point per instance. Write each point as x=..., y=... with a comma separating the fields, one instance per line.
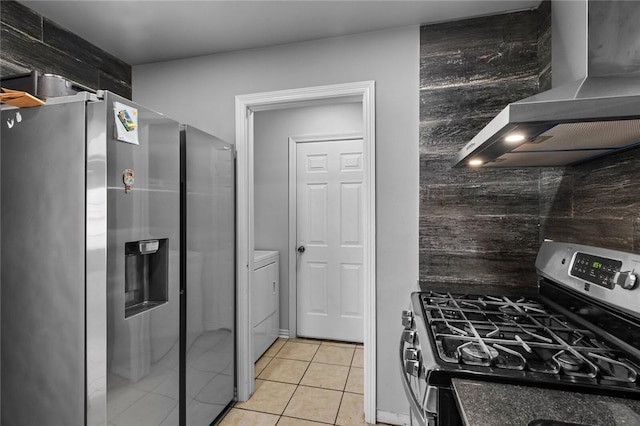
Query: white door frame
x=293, y=221
x=246, y=106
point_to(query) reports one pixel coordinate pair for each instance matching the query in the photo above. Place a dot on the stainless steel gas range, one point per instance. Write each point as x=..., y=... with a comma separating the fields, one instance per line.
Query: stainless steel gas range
x=580, y=333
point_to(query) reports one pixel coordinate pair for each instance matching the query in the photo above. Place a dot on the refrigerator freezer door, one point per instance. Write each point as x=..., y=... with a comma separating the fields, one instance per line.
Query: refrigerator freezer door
x=210, y=275
x=43, y=276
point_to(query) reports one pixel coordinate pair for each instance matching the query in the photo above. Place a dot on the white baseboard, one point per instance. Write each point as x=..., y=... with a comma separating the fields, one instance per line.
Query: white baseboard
x=284, y=333
x=392, y=418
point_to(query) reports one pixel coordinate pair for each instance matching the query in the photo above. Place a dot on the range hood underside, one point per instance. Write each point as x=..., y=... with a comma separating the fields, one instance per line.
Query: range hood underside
x=556, y=132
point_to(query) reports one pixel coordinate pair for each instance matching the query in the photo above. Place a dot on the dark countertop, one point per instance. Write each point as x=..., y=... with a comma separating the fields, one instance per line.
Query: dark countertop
x=490, y=404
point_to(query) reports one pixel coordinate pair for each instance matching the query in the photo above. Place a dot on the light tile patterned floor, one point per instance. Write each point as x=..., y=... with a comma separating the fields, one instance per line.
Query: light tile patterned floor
x=304, y=382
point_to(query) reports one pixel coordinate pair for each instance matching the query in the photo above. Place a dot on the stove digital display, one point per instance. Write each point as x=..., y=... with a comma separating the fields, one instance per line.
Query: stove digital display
x=596, y=270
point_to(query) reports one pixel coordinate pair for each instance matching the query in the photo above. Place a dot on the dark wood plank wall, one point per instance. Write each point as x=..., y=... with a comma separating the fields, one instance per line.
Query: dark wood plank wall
x=477, y=226
x=29, y=41
x=595, y=203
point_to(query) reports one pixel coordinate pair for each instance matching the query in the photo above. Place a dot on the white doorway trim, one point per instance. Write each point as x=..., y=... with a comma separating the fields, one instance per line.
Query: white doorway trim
x=293, y=243
x=246, y=106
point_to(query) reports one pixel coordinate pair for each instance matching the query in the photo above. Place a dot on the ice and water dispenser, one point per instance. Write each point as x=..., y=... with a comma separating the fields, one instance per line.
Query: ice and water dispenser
x=146, y=275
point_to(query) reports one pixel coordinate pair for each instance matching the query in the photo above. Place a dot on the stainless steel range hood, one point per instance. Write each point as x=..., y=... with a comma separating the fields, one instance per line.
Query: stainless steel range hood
x=595, y=115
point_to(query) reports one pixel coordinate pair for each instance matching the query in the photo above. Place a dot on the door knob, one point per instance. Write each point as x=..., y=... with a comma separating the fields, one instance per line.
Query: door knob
x=301, y=249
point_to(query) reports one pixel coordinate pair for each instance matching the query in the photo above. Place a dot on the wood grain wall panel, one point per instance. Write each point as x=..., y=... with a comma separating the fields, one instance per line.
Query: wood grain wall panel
x=479, y=234
x=556, y=193
x=442, y=70
x=608, y=188
x=478, y=250
x=604, y=206
x=107, y=82
x=494, y=47
x=489, y=65
x=473, y=99
x=30, y=53
x=445, y=137
x=10, y=68
x=481, y=199
x=83, y=51
x=31, y=42
x=477, y=227
x=461, y=272
x=438, y=171
x=21, y=18
x=617, y=234
x=13, y=45
x=476, y=33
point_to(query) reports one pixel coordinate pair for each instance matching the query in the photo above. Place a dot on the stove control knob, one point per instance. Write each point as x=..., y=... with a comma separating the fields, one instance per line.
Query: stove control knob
x=627, y=280
x=407, y=319
x=407, y=322
x=412, y=354
x=412, y=367
x=409, y=336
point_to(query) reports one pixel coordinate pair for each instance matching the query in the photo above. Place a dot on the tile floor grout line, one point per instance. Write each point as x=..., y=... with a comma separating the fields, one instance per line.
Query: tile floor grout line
x=263, y=368
x=329, y=389
x=307, y=420
x=335, y=422
x=329, y=363
x=288, y=402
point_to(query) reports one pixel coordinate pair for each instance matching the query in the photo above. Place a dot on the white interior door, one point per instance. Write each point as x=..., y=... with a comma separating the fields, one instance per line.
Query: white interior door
x=330, y=232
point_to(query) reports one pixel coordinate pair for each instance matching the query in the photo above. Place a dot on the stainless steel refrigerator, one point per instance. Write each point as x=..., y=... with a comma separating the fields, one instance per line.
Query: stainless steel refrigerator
x=91, y=289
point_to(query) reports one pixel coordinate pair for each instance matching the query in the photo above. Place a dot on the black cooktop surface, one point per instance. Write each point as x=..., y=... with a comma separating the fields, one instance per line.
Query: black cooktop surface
x=522, y=340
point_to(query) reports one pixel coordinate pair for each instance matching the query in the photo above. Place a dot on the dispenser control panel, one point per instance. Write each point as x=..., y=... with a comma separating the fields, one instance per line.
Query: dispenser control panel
x=149, y=246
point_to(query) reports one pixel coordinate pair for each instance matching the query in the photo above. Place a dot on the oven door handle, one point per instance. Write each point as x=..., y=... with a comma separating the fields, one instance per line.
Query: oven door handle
x=424, y=418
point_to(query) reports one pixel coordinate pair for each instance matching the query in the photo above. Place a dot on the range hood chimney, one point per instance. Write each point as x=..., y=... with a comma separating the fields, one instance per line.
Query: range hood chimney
x=595, y=115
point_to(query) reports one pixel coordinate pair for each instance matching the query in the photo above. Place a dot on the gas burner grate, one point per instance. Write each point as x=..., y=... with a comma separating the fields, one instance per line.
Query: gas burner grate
x=519, y=334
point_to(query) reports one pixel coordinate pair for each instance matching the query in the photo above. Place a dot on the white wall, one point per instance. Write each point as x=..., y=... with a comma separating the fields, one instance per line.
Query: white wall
x=201, y=91
x=271, y=173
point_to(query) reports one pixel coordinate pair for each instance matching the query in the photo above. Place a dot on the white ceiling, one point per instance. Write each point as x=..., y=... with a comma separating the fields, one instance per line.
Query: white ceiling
x=145, y=31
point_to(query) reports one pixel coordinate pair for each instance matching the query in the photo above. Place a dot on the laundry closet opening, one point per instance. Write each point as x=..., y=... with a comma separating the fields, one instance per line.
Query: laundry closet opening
x=276, y=135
